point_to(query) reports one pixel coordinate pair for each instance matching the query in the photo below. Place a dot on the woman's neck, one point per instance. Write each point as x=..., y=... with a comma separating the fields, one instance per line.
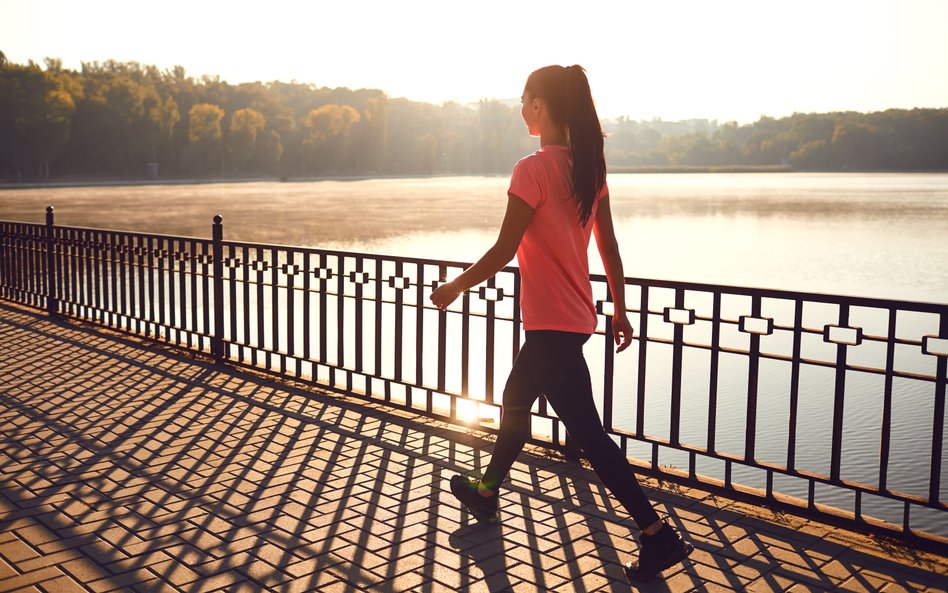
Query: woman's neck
x=553, y=134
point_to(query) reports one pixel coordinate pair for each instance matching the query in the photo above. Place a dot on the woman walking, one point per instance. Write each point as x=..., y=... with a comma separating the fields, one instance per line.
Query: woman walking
x=557, y=197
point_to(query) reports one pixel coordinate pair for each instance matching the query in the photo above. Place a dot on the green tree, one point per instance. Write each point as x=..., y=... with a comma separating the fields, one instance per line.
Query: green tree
x=245, y=124
x=204, y=133
x=269, y=152
x=328, y=130
x=36, y=108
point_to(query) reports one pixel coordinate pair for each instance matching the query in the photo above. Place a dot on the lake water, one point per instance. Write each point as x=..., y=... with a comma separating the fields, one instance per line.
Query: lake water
x=881, y=235
x=877, y=235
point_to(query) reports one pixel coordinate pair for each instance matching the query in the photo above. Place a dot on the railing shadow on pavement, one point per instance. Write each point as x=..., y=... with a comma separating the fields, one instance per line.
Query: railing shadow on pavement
x=156, y=467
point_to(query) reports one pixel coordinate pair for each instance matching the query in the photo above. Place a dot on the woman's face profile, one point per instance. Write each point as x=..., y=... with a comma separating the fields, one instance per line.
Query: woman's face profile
x=528, y=110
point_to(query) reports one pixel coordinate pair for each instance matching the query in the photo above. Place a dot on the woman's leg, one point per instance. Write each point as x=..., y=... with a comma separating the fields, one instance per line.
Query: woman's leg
x=520, y=392
x=557, y=363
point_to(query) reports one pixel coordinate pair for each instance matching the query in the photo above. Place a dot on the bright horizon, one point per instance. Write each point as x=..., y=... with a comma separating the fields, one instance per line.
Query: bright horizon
x=727, y=60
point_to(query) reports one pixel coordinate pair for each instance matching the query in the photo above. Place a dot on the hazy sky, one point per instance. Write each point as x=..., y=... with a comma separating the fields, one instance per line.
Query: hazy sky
x=674, y=59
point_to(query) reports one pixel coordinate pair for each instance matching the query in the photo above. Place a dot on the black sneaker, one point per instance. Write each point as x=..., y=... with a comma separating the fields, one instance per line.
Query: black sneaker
x=484, y=508
x=657, y=552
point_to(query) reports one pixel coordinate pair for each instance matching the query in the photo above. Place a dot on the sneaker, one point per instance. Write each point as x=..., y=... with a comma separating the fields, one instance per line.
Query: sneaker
x=484, y=508
x=657, y=552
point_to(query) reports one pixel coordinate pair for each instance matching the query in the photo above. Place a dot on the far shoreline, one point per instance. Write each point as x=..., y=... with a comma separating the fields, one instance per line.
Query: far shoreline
x=644, y=170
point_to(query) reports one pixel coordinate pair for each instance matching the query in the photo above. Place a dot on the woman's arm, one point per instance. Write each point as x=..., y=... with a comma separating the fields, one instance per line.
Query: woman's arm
x=516, y=219
x=612, y=262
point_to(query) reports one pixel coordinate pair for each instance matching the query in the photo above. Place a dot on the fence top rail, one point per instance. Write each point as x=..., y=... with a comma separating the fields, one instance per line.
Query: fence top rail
x=361, y=255
x=21, y=223
x=792, y=295
x=858, y=301
x=138, y=234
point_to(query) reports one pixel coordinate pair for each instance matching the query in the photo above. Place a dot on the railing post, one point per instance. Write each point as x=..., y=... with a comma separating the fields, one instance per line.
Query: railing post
x=217, y=341
x=51, y=304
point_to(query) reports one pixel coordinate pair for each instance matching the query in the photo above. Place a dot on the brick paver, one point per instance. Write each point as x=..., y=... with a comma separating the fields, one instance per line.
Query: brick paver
x=127, y=466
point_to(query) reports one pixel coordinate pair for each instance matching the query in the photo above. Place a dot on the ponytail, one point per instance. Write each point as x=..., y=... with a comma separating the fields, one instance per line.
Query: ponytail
x=566, y=91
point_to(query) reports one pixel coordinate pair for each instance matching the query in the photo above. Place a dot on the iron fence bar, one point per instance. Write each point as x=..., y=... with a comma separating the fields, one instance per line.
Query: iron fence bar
x=165, y=288
x=74, y=250
x=129, y=268
x=379, y=327
x=886, y=429
x=143, y=309
x=89, y=259
x=4, y=250
x=51, y=306
x=113, y=278
x=217, y=234
x=675, y=414
x=489, y=362
x=78, y=269
x=246, y=343
x=22, y=265
x=750, y=429
x=186, y=287
x=291, y=303
x=259, y=344
x=419, y=328
x=30, y=269
x=65, y=281
x=713, y=371
x=205, y=327
x=85, y=276
x=938, y=420
x=466, y=341
x=398, y=337
x=608, y=364
x=323, y=306
x=150, y=246
x=794, y=384
x=643, y=348
x=358, y=305
x=516, y=313
x=275, y=348
x=839, y=399
x=97, y=275
x=307, y=300
x=443, y=341
x=341, y=312
x=124, y=280
x=237, y=303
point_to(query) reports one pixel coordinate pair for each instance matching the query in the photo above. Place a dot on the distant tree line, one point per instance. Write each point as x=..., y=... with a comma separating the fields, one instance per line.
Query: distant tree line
x=127, y=120
x=892, y=140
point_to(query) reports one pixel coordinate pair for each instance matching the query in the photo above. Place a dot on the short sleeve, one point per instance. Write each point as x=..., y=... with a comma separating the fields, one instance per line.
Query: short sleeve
x=525, y=182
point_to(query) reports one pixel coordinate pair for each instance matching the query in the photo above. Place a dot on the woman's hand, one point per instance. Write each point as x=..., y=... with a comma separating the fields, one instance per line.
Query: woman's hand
x=621, y=331
x=444, y=295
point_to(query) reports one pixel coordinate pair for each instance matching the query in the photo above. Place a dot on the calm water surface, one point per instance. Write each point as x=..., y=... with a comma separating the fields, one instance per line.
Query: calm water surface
x=880, y=235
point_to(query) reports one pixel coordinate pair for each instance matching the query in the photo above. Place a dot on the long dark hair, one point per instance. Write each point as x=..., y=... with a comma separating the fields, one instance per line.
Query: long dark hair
x=567, y=95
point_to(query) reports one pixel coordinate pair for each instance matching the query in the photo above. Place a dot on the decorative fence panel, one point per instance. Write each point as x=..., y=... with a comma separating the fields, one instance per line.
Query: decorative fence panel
x=826, y=406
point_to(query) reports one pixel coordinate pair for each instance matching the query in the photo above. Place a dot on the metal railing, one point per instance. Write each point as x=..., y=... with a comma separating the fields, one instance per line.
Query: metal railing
x=825, y=406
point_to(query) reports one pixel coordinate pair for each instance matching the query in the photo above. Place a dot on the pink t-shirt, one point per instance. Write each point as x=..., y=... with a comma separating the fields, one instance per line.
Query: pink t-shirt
x=555, y=293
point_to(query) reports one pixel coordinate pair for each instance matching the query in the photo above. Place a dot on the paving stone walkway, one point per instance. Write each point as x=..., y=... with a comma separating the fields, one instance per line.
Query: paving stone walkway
x=128, y=466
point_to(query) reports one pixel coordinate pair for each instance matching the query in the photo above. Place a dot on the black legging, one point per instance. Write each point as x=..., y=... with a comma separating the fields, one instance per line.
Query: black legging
x=552, y=363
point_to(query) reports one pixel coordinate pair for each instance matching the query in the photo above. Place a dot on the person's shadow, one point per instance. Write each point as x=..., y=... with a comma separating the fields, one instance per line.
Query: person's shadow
x=484, y=545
